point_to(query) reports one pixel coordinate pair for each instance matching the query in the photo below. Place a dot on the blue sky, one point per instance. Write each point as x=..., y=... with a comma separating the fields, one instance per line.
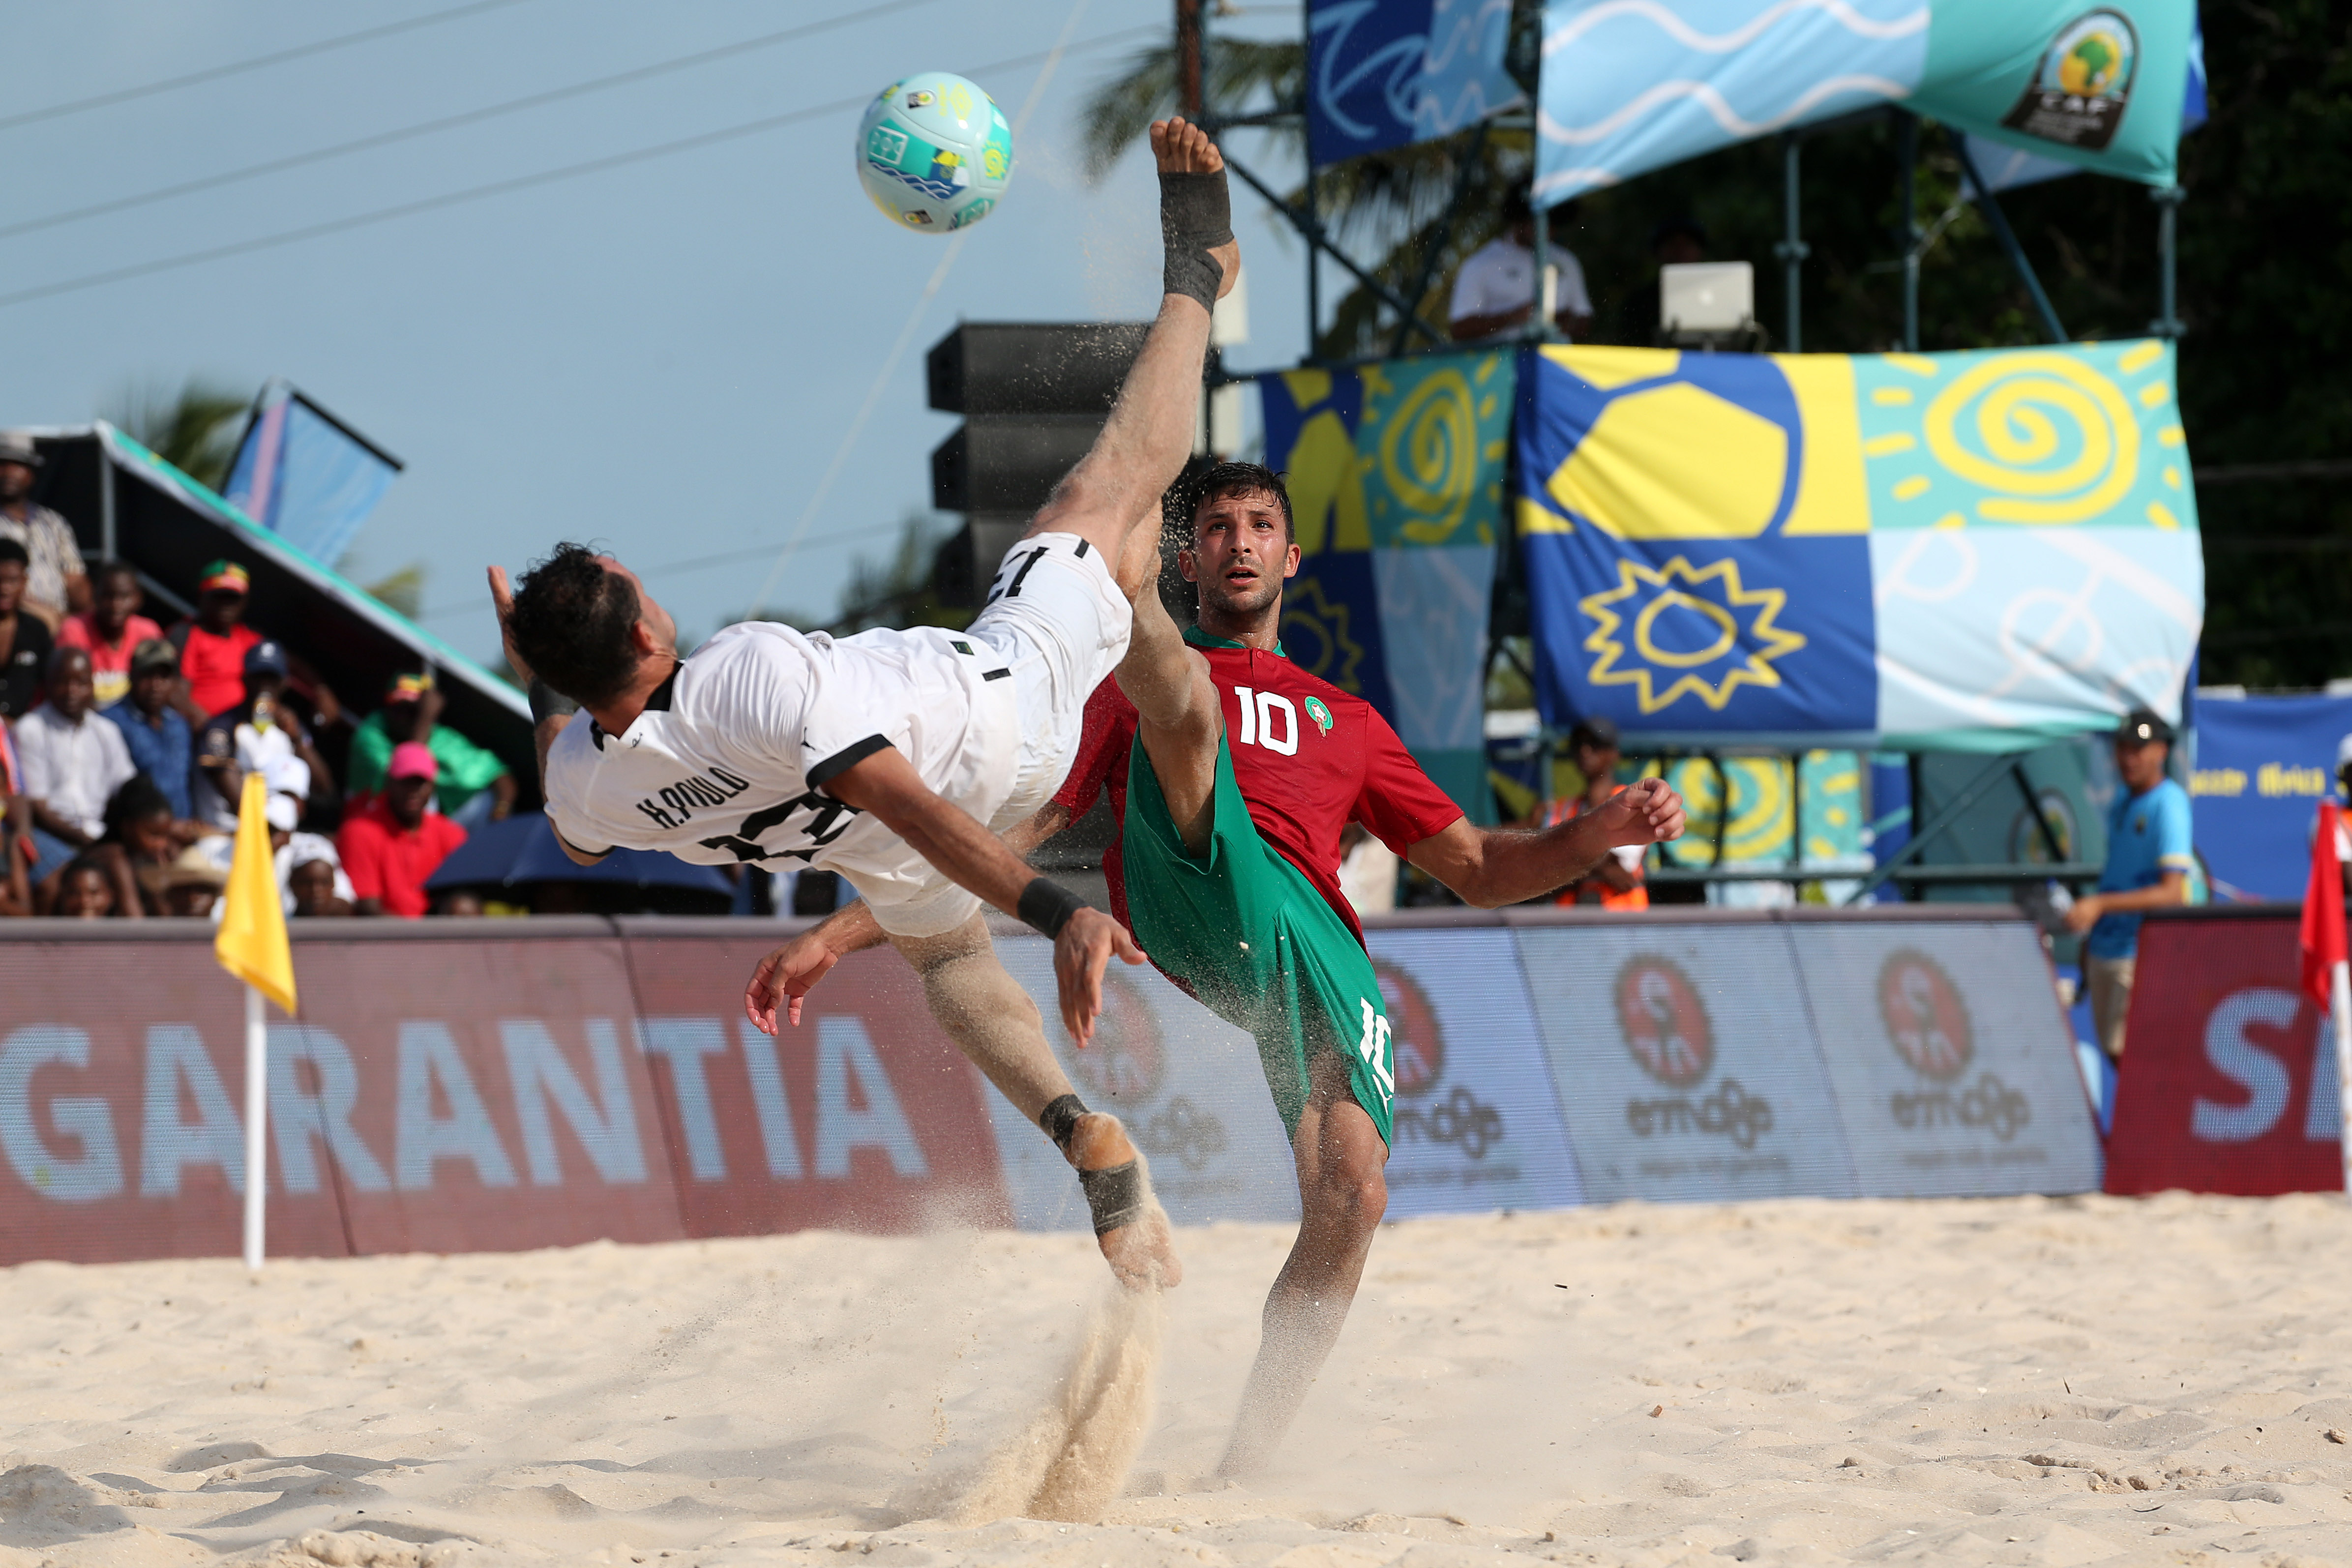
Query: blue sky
x=664, y=356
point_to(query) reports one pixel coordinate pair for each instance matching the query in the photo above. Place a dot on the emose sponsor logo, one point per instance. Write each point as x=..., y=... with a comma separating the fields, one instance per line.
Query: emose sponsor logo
x=1927, y=1025
x=1667, y=1031
x=1460, y=1119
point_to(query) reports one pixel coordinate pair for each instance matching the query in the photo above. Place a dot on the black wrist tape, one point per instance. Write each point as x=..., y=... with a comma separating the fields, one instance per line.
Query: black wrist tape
x=1115, y=1195
x=1060, y=1119
x=1196, y=215
x=547, y=703
x=1047, y=905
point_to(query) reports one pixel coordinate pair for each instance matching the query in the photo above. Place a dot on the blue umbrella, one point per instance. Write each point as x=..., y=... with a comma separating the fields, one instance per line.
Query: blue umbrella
x=523, y=849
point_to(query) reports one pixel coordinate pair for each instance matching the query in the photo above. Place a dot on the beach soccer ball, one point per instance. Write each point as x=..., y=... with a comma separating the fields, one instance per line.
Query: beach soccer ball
x=934, y=153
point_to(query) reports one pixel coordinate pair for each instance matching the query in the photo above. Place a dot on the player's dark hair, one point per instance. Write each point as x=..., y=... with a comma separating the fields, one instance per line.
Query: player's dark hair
x=1214, y=482
x=11, y=550
x=570, y=623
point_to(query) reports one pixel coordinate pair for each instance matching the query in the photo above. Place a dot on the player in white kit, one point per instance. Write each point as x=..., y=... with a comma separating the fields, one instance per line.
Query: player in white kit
x=895, y=757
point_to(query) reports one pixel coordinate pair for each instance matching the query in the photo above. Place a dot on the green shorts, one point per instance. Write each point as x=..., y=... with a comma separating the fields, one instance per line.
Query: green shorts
x=1248, y=934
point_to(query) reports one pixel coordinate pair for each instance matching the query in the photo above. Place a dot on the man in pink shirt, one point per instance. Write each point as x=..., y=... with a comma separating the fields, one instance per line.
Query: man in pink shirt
x=110, y=630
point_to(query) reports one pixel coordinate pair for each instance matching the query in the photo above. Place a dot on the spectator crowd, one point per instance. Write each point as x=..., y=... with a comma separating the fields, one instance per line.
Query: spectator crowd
x=125, y=744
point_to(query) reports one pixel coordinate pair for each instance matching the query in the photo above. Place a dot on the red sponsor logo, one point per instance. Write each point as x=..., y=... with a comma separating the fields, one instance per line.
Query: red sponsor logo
x=1925, y=1020
x=1415, y=1036
x=2229, y=1078
x=1664, y=1024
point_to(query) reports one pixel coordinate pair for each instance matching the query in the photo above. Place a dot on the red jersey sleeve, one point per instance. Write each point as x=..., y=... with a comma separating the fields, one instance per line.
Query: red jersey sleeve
x=1109, y=729
x=1398, y=803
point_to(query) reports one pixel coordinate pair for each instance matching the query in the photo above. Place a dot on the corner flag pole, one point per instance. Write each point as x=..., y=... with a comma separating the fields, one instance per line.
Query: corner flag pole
x=256, y=1119
x=252, y=947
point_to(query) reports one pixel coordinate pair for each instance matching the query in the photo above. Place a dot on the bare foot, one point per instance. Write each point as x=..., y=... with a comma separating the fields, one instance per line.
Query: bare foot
x=1143, y=1255
x=1180, y=147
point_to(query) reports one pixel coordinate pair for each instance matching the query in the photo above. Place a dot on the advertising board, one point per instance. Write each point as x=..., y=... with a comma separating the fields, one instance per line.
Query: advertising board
x=1685, y=1060
x=2228, y=1070
x=863, y=1117
x=1954, y=1073
x=1188, y=1085
x=1476, y=1123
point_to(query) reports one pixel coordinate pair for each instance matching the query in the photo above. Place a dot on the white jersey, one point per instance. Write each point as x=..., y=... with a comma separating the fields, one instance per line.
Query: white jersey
x=728, y=761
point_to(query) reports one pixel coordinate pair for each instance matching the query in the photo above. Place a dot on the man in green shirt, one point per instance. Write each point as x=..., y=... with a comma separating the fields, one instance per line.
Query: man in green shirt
x=474, y=786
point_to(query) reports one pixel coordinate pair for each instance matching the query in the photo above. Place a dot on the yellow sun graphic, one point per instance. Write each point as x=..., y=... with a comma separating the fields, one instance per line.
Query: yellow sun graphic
x=1742, y=652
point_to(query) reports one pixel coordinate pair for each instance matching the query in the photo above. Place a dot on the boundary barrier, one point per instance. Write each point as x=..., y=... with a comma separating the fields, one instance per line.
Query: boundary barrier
x=491, y=1086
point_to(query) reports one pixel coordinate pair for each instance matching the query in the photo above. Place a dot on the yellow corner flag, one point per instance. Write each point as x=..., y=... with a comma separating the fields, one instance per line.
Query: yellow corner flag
x=252, y=941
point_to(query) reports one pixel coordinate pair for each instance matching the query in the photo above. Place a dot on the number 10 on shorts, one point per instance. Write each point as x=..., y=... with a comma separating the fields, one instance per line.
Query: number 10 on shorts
x=1374, y=1049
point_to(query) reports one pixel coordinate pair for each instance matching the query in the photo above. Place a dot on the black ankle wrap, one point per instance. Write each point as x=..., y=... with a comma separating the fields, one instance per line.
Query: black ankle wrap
x=1060, y=1119
x=1115, y=1195
x=1196, y=215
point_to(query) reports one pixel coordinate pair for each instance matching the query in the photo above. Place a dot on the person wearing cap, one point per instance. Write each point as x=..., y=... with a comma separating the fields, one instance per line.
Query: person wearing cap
x=261, y=734
x=1618, y=882
x=24, y=641
x=156, y=733
x=393, y=843
x=73, y=762
x=55, y=582
x=214, y=645
x=291, y=850
x=2150, y=857
x=474, y=787
x=112, y=630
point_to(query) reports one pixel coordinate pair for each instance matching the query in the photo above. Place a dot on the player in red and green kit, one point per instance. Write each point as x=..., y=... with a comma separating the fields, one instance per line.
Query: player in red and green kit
x=1234, y=773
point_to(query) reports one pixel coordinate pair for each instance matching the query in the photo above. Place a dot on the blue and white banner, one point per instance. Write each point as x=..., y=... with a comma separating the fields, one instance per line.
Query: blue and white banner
x=2263, y=766
x=1629, y=86
x=1387, y=73
x=305, y=476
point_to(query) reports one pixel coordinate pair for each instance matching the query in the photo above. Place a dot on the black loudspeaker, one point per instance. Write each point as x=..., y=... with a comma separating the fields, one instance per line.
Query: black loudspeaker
x=1034, y=396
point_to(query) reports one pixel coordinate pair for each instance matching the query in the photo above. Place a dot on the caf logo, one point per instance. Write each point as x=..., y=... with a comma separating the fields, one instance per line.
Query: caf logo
x=1128, y=1061
x=1664, y=1024
x=1925, y=1020
x=1414, y=1035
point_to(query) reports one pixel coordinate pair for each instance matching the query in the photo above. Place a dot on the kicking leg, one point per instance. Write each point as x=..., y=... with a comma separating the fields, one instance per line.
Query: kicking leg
x=1178, y=720
x=1149, y=433
x=1342, y=1193
x=994, y=1023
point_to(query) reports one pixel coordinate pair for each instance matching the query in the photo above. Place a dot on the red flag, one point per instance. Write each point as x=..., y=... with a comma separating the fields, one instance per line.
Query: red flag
x=2323, y=911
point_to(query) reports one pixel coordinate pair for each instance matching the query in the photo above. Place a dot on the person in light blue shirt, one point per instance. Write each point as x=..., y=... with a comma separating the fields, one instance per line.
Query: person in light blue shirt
x=2149, y=858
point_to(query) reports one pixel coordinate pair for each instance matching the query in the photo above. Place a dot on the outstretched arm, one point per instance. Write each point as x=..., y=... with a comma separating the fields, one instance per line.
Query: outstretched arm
x=887, y=785
x=1143, y=446
x=1491, y=867
x=792, y=970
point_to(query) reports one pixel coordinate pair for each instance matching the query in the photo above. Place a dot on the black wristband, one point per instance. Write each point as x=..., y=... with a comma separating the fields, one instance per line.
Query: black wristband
x=547, y=703
x=1047, y=905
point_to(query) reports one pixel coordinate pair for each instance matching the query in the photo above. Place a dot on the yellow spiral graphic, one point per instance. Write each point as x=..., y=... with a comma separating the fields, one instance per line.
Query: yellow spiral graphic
x=2054, y=441
x=1429, y=455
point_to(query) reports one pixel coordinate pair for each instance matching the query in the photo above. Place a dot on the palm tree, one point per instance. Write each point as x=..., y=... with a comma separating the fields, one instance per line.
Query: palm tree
x=195, y=428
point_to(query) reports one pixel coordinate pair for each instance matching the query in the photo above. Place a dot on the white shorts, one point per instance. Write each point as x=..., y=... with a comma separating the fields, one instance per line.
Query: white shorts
x=1057, y=619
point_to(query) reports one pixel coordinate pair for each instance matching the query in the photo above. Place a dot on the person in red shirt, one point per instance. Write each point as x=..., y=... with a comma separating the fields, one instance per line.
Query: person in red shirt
x=212, y=645
x=1226, y=868
x=111, y=629
x=391, y=846
x=1618, y=882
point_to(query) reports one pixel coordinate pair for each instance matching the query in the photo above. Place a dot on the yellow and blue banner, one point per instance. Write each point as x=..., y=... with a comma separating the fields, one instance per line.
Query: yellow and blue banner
x=1396, y=474
x=1969, y=552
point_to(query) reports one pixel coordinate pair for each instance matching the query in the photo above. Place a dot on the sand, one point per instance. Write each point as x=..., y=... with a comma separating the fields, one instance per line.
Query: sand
x=2071, y=1382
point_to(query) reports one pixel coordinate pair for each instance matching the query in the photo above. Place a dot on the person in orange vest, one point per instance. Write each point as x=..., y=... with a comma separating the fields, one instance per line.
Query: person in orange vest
x=1617, y=883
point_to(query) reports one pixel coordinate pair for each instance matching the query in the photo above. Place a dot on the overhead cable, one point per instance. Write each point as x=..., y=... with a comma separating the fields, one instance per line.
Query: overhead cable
x=214, y=73
x=448, y=121
x=507, y=187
